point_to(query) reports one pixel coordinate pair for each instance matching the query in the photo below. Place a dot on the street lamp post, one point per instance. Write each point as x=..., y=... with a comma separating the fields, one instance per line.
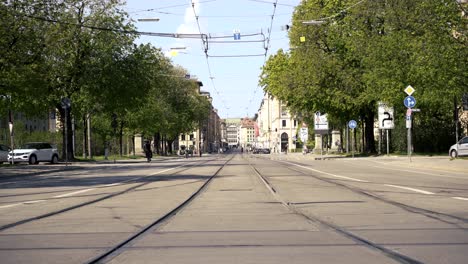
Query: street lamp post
x=313, y=22
x=156, y=19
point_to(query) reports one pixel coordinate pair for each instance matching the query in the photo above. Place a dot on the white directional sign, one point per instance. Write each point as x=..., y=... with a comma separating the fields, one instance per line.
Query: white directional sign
x=386, y=116
x=304, y=134
x=321, y=121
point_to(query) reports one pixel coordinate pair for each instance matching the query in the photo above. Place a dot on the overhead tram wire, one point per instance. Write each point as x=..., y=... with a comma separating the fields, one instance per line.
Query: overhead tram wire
x=205, y=45
x=236, y=56
x=142, y=33
x=230, y=36
x=237, y=41
x=166, y=7
x=267, y=2
x=267, y=45
x=263, y=40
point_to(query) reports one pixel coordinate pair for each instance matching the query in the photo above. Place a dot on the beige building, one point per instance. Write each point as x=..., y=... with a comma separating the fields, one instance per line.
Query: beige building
x=46, y=123
x=277, y=128
x=208, y=137
x=233, y=132
x=247, y=138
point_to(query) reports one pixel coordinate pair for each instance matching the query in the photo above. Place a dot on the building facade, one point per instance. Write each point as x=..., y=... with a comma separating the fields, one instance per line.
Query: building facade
x=233, y=132
x=277, y=128
x=247, y=137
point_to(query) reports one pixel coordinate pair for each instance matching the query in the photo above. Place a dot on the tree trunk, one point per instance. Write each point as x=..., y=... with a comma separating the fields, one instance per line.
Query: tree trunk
x=88, y=126
x=369, y=132
x=85, y=137
x=157, y=141
x=169, y=145
x=133, y=144
x=67, y=134
x=121, y=138
x=163, y=147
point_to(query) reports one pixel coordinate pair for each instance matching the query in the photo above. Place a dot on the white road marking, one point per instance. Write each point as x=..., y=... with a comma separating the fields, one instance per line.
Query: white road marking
x=159, y=172
x=10, y=205
x=16, y=204
x=112, y=184
x=33, y=202
x=330, y=174
x=409, y=189
x=73, y=193
x=460, y=198
x=415, y=170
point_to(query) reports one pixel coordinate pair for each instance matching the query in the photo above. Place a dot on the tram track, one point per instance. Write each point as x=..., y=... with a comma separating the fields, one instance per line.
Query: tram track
x=118, y=249
x=449, y=219
x=83, y=204
x=329, y=225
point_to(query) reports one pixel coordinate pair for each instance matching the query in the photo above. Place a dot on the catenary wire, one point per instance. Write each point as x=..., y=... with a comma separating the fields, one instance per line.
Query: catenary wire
x=206, y=57
x=267, y=46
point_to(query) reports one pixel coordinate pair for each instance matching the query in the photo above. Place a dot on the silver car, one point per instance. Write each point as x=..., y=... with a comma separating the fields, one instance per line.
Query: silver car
x=33, y=153
x=459, y=149
x=4, y=149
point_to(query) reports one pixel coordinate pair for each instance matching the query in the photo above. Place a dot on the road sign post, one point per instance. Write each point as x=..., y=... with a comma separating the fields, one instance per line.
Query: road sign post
x=409, y=102
x=352, y=124
x=408, y=126
x=320, y=127
x=386, y=120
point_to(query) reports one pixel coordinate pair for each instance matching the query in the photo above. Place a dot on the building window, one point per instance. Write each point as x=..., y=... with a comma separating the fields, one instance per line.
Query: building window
x=283, y=123
x=284, y=110
x=295, y=123
x=183, y=137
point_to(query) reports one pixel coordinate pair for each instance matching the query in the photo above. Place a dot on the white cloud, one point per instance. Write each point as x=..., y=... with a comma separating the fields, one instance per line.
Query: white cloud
x=190, y=25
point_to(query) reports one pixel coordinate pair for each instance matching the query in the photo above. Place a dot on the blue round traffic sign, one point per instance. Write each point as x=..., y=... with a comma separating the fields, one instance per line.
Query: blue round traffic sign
x=409, y=101
x=352, y=124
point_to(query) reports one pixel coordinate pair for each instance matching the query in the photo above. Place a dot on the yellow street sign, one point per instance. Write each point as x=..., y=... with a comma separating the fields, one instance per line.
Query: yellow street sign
x=409, y=90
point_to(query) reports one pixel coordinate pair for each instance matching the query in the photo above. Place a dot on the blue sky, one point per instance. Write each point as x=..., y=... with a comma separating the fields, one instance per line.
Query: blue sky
x=231, y=81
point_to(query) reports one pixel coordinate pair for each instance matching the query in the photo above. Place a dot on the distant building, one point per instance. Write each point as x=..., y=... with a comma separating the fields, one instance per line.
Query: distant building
x=45, y=123
x=277, y=128
x=247, y=133
x=233, y=131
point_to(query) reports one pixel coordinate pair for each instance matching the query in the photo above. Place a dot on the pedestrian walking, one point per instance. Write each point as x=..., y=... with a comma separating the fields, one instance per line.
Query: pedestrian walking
x=147, y=150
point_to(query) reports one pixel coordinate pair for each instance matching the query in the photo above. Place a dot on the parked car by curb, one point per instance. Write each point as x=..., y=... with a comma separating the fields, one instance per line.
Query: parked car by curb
x=460, y=148
x=261, y=151
x=34, y=152
x=4, y=149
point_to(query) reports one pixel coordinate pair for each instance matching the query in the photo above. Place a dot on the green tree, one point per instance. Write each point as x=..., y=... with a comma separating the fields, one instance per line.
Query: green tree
x=81, y=40
x=369, y=51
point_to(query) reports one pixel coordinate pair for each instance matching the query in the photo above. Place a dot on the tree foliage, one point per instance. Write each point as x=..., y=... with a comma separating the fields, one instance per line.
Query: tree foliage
x=369, y=51
x=84, y=50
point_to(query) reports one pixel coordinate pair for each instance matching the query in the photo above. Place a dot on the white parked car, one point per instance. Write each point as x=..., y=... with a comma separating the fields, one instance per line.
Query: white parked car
x=34, y=152
x=4, y=149
x=459, y=149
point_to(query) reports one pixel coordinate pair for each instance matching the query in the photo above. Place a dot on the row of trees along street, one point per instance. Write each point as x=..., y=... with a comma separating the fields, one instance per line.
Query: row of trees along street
x=363, y=52
x=85, y=51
